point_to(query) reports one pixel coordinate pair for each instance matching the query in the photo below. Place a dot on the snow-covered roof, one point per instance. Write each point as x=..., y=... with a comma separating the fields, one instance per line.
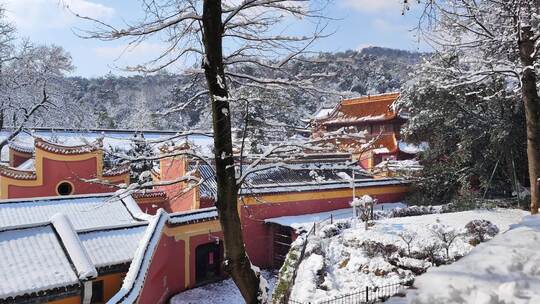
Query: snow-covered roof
x=85, y=212
x=54, y=242
x=136, y=275
x=134, y=280
x=363, y=109
x=117, y=139
x=112, y=247
x=193, y=216
x=399, y=165
x=305, y=221
x=33, y=260
x=308, y=176
x=323, y=113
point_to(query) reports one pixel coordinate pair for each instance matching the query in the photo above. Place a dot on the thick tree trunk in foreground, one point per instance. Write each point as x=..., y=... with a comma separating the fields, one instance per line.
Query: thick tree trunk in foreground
x=532, y=107
x=237, y=263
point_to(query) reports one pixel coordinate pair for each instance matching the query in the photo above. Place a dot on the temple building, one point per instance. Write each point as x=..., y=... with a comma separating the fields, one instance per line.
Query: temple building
x=146, y=246
x=303, y=186
x=78, y=249
x=369, y=117
x=49, y=169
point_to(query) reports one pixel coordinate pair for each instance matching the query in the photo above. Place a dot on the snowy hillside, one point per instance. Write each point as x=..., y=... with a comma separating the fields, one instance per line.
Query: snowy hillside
x=140, y=101
x=342, y=261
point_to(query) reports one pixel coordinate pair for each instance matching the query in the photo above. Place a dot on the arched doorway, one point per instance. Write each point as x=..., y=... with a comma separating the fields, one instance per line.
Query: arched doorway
x=208, y=259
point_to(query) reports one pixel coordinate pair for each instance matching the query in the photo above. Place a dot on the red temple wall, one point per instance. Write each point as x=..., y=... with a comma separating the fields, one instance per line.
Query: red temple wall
x=58, y=171
x=17, y=158
x=165, y=276
x=258, y=236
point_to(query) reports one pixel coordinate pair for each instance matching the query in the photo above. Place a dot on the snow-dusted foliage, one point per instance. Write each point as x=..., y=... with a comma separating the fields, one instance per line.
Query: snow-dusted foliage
x=480, y=231
x=466, y=101
x=31, y=81
x=137, y=102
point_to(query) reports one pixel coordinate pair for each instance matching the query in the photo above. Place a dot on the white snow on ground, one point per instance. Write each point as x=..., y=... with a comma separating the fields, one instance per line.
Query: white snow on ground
x=503, y=270
x=387, y=230
x=224, y=292
x=338, y=265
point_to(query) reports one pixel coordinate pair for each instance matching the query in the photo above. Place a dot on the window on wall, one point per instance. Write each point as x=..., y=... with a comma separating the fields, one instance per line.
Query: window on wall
x=97, y=292
x=64, y=188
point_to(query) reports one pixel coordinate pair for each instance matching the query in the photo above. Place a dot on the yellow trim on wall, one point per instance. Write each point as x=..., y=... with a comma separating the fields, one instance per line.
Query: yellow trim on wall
x=322, y=195
x=184, y=233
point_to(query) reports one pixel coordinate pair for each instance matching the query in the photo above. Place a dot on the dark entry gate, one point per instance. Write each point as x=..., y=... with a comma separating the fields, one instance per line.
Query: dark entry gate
x=282, y=244
x=207, y=262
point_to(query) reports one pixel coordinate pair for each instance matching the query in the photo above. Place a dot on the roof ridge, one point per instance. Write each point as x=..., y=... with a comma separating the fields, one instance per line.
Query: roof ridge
x=134, y=280
x=16, y=173
x=74, y=248
x=64, y=149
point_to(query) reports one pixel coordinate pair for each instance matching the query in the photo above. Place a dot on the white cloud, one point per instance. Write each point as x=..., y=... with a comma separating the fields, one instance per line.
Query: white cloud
x=384, y=25
x=32, y=15
x=374, y=6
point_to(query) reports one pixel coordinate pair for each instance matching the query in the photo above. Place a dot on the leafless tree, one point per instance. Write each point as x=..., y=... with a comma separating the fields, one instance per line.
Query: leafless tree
x=223, y=36
x=407, y=238
x=446, y=235
x=30, y=77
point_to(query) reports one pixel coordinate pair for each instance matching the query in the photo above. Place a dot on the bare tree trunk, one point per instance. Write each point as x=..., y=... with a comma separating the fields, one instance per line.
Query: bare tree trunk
x=532, y=107
x=237, y=263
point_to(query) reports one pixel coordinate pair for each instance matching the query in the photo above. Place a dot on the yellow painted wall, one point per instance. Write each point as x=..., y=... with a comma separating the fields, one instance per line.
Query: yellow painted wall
x=317, y=195
x=70, y=300
x=111, y=284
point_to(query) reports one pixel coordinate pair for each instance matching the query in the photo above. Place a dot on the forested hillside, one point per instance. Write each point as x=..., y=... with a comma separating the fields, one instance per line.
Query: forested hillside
x=141, y=102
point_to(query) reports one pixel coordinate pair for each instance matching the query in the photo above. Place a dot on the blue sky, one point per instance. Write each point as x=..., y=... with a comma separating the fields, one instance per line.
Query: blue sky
x=361, y=23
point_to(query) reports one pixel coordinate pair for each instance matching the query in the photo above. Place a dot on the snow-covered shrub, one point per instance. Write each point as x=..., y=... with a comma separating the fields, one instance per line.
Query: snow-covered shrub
x=480, y=231
x=408, y=237
x=417, y=266
x=446, y=235
x=374, y=249
x=328, y=231
x=430, y=250
x=413, y=211
x=334, y=229
x=343, y=224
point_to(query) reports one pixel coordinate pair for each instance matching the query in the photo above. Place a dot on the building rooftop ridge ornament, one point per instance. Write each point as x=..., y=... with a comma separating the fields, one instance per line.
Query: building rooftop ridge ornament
x=68, y=150
x=20, y=147
x=17, y=173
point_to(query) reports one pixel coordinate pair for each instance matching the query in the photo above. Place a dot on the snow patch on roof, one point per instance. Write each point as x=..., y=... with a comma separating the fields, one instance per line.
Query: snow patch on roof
x=193, y=216
x=84, y=212
x=112, y=247
x=29, y=164
x=25, y=254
